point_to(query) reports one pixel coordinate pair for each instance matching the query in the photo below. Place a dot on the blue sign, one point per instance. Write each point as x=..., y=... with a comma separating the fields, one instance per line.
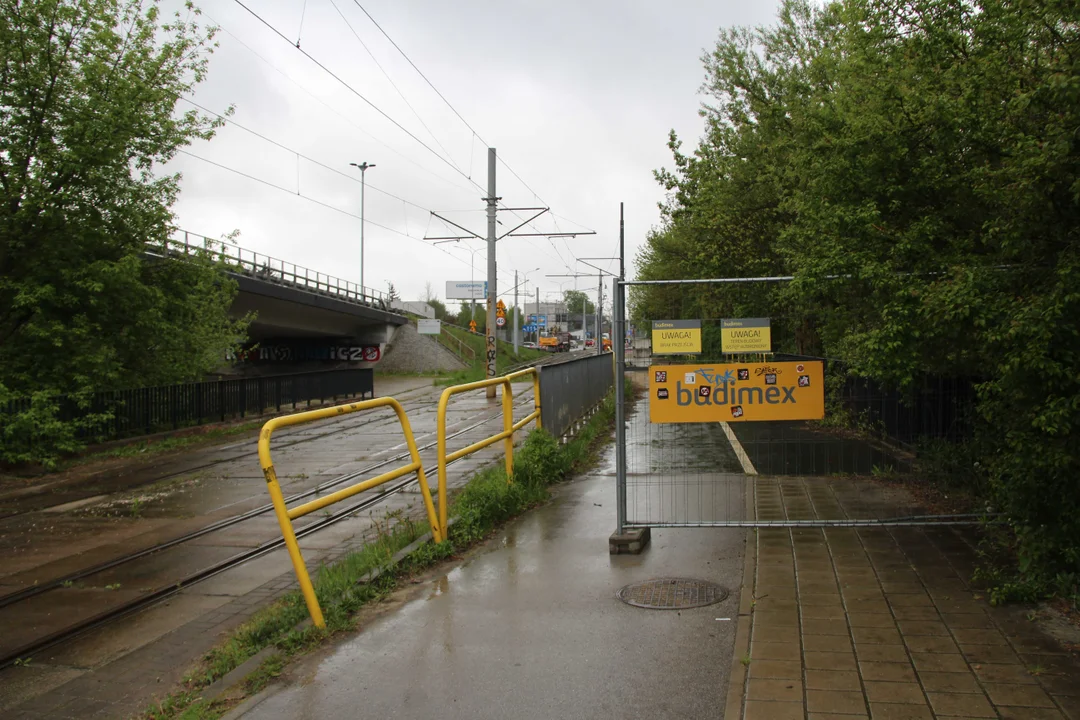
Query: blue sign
x=528, y=328
x=542, y=321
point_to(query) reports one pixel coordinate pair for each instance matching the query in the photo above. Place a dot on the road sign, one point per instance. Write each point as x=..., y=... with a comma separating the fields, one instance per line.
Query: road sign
x=472, y=326
x=529, y=328
x=372, y=353
x=429, y=327
x=500, y=321
x=465, y=290
x=541, y=320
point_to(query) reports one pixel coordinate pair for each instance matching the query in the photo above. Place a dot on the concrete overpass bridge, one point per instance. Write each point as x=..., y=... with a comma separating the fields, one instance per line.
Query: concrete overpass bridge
x=301, y=315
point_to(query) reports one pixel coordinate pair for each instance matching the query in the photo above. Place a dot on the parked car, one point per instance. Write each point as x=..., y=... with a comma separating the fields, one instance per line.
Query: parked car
x=530, y=344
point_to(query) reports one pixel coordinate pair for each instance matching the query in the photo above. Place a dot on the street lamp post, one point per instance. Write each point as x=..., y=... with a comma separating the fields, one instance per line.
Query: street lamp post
x=363, y=168
x=524, y=281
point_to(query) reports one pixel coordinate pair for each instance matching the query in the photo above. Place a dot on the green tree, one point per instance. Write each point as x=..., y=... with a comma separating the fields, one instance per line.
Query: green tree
x=88, y=114
x=576, y=300
x=915, y=166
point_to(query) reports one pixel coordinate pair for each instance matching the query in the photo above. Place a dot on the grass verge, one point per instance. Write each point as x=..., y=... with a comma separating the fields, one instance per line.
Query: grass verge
x=486, y=502
x=505, y=356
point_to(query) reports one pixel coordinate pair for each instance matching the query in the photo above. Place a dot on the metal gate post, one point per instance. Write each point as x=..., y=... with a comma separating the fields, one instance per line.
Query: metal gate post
x=635, y=539
x=619, y=347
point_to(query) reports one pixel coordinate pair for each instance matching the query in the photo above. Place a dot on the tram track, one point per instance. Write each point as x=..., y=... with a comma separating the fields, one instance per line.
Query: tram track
x=153, y=596
x=341, y=426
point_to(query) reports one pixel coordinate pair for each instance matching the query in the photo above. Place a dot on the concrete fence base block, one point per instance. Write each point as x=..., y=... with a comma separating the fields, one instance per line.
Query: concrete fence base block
x=629, y=542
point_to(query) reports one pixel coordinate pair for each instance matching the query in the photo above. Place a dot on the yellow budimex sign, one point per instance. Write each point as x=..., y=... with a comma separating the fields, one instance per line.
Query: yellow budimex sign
x=676, y=337
x=736, y=392
x=745, y=335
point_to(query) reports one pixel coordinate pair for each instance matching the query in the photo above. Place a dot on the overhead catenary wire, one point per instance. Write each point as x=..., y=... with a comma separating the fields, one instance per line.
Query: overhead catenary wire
x=317, y=202
x=335, y=111
x=394, y=85
x=357, y=93
x=299, y=154
x=450, y=105
x=363, y=98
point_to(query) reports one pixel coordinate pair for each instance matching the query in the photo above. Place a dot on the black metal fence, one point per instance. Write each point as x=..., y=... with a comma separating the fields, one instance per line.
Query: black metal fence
x=931, y=408
x=118, y=414
x=570, y=389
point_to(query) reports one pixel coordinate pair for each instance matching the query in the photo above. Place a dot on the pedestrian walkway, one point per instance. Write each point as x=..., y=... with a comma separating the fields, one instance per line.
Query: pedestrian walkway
x=530, y=627
x=883, y=623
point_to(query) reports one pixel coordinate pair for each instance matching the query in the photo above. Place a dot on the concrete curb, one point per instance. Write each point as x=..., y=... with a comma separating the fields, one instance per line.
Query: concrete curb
x=238, y=673
x=242, y=671
x=740, y=673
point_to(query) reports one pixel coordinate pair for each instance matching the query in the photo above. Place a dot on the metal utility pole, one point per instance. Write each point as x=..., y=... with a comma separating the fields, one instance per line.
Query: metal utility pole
x=492, y=201
x=599, y=313
x=515, y=314
x=537, y=323
x=363, y=170
x=492, y=204
x=619, y=347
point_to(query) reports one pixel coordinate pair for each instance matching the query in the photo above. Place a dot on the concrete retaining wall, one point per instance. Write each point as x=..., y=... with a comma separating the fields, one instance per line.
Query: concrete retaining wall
x=409, y=351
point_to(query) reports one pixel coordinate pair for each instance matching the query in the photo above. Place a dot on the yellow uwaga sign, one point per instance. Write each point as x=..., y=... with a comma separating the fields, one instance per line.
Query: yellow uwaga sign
x=745, y=335
x=676, y=337
x=736, y=392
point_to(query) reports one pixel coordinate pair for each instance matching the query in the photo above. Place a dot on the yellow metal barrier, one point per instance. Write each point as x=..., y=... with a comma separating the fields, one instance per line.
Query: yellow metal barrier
x=285, y=515
x=507, y=434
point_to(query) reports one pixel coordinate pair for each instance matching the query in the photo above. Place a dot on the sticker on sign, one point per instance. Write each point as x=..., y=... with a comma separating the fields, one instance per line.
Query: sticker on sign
x=745, y=391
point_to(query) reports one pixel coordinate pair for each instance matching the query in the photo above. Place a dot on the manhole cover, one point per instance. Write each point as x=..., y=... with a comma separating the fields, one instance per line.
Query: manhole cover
x=671, y=593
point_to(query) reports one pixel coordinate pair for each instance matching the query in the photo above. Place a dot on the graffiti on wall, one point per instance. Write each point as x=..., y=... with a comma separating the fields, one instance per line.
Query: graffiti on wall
x=299, y=353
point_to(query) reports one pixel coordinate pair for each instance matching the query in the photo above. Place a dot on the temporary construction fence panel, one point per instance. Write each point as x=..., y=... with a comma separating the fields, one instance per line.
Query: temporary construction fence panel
x=708, y=438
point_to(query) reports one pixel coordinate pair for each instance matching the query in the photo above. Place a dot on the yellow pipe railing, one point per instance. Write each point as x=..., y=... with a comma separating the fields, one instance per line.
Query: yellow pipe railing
x=285, y=516
x=507, y=434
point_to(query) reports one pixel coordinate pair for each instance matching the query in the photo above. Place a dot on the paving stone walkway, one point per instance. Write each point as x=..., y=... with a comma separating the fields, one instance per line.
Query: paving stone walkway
x=882, y=622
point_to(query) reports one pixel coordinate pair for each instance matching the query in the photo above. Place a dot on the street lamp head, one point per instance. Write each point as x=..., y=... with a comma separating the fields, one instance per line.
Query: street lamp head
x=363, y=166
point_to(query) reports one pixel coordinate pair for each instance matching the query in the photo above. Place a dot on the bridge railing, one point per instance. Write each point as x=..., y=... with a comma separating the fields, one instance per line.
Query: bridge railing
x=273, y=270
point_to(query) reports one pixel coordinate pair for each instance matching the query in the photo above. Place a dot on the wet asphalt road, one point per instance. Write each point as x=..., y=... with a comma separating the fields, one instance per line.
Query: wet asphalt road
x=531, y=628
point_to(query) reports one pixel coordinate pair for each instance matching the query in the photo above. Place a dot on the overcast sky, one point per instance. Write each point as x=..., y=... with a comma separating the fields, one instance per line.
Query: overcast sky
x=577, y=96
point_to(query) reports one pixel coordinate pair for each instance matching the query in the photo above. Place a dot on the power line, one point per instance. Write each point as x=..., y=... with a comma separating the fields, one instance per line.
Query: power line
x=298, y=154
x=392, y=83
x=315, y=201
x=334, y=110
x=355, y=92
x=420, y=72
x=448, y=103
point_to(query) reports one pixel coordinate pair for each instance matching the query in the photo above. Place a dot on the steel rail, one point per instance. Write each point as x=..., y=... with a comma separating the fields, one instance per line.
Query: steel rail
x=153, y=596
x=197, y=468
x=35, y=590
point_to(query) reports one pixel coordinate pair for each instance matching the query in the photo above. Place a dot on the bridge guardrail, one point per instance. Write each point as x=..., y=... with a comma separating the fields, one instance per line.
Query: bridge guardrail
x=280, y=272
x=507, y=434
x=285, y=515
